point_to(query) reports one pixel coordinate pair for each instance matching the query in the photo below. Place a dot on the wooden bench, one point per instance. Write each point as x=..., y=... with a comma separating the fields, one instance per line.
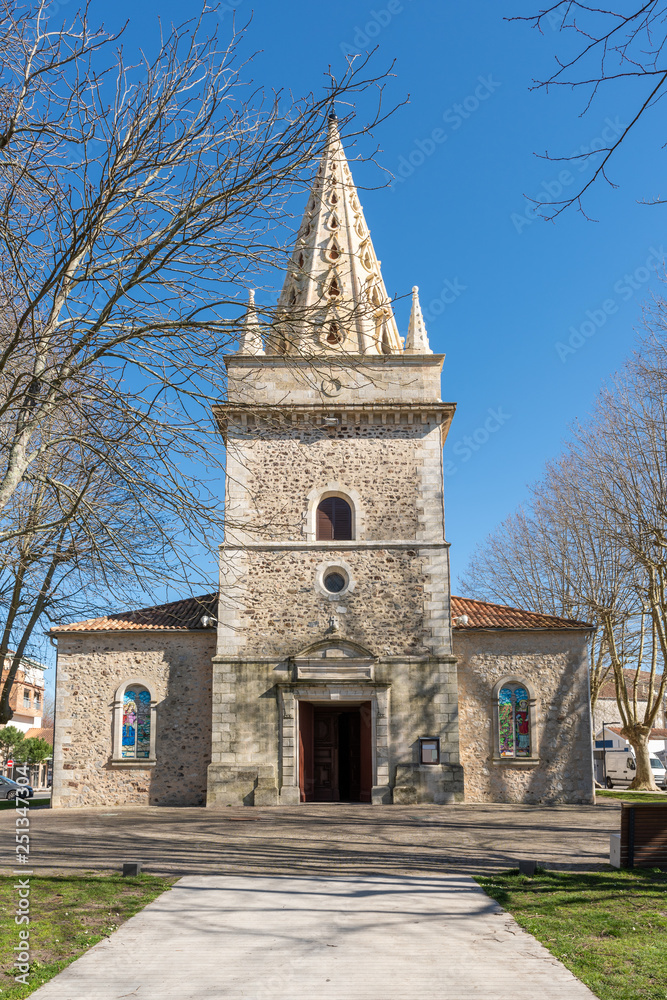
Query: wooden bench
x=644, y=835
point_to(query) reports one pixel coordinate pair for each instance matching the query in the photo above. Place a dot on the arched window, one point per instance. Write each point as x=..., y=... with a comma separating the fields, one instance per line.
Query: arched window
x=134, y=724
x=386, y=345
x=514, y=729
x=136, y=739
x=334, y=336
x=335, y=512
x=334, y=520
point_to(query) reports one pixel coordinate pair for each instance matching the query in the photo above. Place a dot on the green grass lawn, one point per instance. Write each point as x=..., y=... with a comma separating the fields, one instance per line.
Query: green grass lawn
x=69, y=913
x=608, y=793
x=35, y=803
x=609, y=928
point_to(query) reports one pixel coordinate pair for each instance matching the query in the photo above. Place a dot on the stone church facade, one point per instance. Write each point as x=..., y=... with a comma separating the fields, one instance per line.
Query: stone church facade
x=333, y=664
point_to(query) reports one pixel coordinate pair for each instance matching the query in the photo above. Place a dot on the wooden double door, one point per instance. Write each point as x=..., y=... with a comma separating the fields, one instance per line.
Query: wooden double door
x=335, y=754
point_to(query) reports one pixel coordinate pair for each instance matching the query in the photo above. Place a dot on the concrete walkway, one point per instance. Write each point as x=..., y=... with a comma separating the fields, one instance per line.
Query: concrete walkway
x=228, y=937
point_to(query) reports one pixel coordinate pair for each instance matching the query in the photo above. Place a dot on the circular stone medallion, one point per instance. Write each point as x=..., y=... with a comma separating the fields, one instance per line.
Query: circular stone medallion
x=331, y=387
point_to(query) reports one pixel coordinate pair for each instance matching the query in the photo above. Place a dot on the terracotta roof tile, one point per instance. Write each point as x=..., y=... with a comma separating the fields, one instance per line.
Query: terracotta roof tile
x=180, y=615
x=186, y=615
x=655, y=734
x=482, y=614
x=43, y=734
x=608, y=689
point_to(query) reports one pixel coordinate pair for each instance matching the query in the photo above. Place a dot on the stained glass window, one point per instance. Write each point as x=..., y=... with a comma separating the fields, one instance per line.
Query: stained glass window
x=514, y=721
x=506, y=722
x=136, y=741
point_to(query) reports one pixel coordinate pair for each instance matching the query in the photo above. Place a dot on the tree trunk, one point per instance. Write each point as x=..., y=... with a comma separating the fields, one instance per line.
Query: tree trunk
x=6, y=713
x=638, y=736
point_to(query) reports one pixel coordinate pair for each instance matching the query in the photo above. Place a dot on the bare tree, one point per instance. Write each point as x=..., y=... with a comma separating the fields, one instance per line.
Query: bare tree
x=97, y=542
x=48, y=711
x=136, y=202
x=595, y=542
x=621, y=463
x=534, y=560
x=611, y=50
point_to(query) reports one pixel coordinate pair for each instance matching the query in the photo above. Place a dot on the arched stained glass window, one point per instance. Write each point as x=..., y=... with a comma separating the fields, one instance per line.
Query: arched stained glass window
x=514, y=721
x=136, y=738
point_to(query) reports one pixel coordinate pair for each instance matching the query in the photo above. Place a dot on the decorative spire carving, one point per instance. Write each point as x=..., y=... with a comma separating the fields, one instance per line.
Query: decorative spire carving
x=334, y=298
x=250, y=341
x=417, y=339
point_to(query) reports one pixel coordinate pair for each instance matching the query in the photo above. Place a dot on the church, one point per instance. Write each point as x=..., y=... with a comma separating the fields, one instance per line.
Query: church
x=332, y=664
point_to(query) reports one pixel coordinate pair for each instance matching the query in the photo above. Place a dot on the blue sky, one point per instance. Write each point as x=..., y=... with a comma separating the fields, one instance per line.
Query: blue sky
x=500, y=291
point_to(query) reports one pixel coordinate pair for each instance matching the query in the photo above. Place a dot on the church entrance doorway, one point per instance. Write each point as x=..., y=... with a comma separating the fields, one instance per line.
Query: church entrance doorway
x=335, y=753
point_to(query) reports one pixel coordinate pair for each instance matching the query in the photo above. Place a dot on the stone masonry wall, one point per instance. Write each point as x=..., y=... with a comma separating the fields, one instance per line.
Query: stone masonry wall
x=283, y=611
x=389, y=379
x=280, y=462
x=421, y=697
x=556, y=665
x=91, y=667
x=270, y=604
x=272, y=471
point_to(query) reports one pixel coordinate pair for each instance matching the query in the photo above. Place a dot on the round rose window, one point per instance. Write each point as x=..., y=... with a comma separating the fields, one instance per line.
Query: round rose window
x=334, y=581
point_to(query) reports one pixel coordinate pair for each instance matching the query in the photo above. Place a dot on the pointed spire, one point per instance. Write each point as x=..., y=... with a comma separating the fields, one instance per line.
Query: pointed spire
x=417, y=339
x=334, y=298
x=250, y=341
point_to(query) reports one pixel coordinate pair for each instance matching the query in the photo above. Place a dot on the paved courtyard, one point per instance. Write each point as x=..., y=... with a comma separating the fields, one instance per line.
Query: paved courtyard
x=216, y=937
x=318, y=840
x=319, y=901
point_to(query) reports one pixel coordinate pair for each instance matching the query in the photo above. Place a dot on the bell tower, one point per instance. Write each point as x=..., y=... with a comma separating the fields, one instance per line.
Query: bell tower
x=334, y=676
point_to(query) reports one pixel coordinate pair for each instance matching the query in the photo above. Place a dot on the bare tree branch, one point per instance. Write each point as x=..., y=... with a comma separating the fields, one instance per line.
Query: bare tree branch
x=594, y=542
x=614, y=48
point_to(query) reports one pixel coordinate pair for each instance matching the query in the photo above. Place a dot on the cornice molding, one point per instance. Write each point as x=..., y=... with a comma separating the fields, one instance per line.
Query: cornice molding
x=332, y=547
x=339, y=363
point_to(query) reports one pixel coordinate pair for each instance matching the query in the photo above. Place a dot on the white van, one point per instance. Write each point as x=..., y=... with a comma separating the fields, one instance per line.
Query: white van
x=622, y=767
x=659, y=772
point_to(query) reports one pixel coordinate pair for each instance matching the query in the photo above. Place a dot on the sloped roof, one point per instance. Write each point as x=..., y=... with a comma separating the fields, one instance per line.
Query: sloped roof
x=186, y=615
x=608, y=689
x=176, y=616
x=42, y=734
x=655, y=734
x=482, y=614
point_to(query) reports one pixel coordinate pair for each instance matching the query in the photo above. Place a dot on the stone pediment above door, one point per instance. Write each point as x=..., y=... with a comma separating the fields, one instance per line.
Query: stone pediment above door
x=334, y=660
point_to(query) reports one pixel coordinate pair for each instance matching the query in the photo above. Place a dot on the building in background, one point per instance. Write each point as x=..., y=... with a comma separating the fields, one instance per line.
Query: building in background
x=27, y=702
x=606, y=709
x=27, y=697
x=611, y=738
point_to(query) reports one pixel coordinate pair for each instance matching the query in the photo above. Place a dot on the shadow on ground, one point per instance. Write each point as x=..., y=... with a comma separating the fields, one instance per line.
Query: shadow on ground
x=318, y=840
